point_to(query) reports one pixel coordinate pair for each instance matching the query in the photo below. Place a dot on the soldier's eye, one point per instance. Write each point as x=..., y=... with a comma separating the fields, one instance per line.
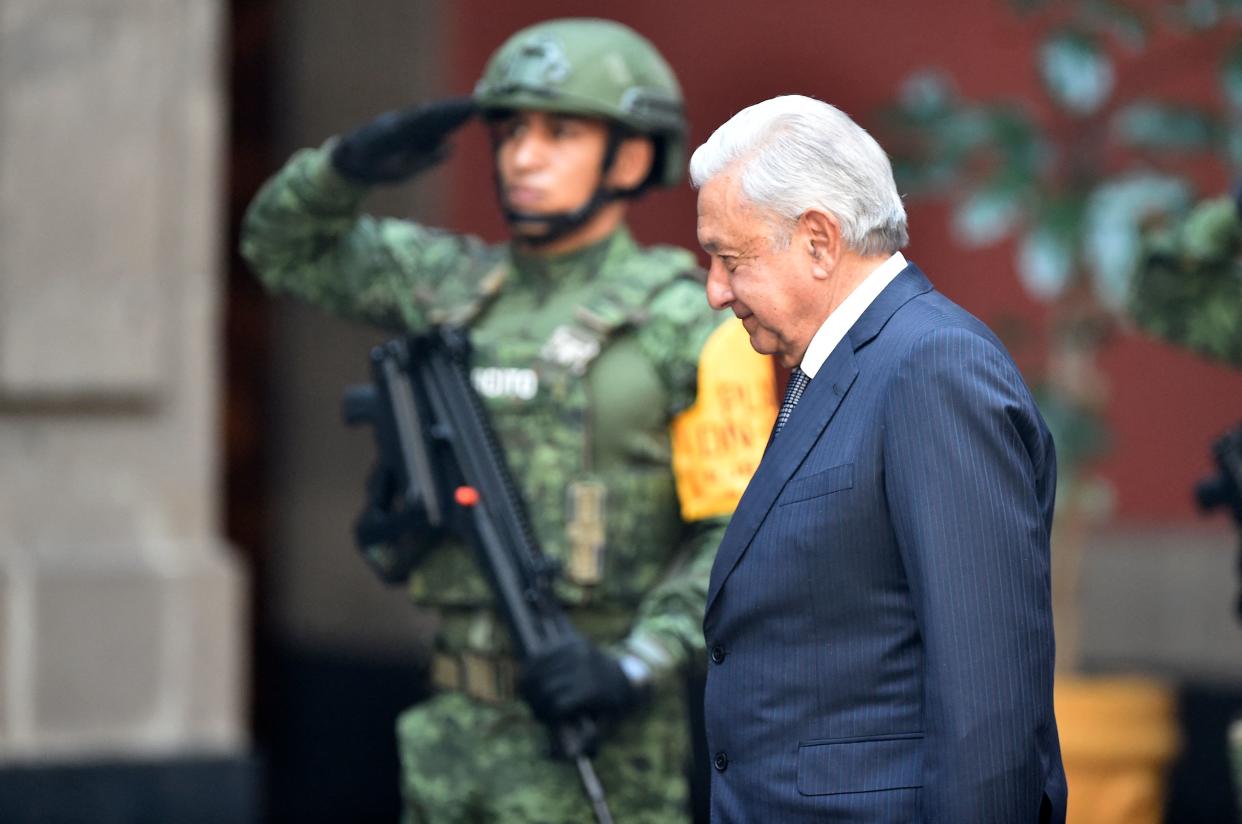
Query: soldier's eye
x=503, y=130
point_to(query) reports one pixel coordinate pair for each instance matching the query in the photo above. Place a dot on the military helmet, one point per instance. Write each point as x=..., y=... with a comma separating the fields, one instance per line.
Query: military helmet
x=593, y=67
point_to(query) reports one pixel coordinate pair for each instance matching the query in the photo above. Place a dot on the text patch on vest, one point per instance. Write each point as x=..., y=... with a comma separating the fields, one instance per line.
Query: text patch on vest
x=505, y=382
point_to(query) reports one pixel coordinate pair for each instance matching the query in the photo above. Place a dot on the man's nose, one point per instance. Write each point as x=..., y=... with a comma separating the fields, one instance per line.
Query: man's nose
x=719, y=296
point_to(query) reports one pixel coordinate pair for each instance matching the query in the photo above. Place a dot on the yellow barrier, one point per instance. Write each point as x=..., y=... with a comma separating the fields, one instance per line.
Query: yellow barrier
x=1118, y=736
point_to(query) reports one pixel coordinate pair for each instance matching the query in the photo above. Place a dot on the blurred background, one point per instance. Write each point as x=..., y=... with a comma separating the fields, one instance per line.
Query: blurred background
x=186, y=633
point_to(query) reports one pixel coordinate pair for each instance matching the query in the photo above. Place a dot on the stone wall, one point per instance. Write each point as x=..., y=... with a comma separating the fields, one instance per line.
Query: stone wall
x=122, y=611
x=1161, y=601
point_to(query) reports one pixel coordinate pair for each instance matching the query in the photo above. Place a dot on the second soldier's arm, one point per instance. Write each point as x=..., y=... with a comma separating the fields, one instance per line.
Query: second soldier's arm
x=1188, y=288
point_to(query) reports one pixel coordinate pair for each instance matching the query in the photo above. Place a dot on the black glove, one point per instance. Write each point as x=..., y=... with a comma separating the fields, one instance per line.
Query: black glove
x=397, y=145
x=575, y=678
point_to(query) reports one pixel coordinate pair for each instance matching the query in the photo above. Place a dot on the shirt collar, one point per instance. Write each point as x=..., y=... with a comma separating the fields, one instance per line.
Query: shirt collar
x=838, y=323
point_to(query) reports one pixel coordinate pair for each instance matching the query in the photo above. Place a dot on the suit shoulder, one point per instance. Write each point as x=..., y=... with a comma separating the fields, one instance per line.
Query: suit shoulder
x=933, y=320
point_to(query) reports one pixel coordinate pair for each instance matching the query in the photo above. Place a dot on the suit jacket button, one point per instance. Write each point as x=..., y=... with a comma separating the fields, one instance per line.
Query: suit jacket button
x=721, y=761
x=718, y=654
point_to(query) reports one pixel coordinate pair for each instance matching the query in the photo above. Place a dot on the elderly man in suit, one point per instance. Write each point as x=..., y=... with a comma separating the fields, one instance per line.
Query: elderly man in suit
x=878, y=621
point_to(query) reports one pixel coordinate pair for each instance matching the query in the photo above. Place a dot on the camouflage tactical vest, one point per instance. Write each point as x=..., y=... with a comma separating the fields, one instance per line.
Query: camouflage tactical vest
x=561, y=373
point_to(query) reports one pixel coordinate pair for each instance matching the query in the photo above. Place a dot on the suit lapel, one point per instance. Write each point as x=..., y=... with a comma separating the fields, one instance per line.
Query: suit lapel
x=812, y=414
x=818, y=405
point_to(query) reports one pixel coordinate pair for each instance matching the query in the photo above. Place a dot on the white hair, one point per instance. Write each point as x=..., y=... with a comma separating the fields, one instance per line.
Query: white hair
x=795, y=153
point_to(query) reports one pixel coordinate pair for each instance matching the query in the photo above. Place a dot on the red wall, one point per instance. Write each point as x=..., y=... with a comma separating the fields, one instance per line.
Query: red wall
x=1166, y=406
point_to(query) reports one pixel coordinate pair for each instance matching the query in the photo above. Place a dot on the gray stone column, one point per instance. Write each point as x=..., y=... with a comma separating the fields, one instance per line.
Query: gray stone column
x=122, y=612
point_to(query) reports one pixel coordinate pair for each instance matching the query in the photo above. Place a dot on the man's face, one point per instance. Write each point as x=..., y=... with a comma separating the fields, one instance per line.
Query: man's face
x=548, y=163
x=764, y=278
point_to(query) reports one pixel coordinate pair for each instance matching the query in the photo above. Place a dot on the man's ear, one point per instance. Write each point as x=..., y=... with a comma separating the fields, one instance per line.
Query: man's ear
x=632, y=163
x=820, y=232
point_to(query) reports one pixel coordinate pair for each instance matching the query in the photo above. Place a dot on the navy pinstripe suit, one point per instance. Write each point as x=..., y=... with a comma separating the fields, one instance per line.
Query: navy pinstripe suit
x=879, y=619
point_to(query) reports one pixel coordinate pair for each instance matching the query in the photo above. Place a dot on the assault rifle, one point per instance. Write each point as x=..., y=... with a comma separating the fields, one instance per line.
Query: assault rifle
x=443, y=471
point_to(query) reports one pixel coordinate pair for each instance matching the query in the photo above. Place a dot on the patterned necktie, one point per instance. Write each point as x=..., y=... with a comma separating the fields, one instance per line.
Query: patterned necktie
x=793, y=393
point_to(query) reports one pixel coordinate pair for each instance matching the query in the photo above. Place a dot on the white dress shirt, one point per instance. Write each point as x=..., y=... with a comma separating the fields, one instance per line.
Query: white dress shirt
x=847, y=314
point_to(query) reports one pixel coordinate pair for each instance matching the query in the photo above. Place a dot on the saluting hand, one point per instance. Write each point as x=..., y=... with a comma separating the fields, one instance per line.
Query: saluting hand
x=399, y=144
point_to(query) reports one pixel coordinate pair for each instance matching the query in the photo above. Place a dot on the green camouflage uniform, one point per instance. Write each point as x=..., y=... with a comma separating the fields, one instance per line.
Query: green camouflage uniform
x=1188, y=289
x=587, y=435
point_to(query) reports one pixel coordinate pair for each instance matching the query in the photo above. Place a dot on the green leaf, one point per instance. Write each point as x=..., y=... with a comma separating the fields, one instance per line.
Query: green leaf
x=1231, y=76
x=1027, y=6
x=1210, y=233
x=1233, y=147
x=1149, y=124
x=1076, y=72
x=1115, y=211
x=934, y=139
x=920, y=176
x=1125, y=24
x=1064, y=215
x=1015, y=136
x=1047, y=255
x=963, y=133
x=926, y=94
x=1045, y=263
x=986, y=215
x=1201, y=14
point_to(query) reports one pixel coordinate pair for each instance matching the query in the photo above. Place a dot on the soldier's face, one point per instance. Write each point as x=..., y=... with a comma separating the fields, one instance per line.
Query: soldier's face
x=548, y=163
x=758, y=271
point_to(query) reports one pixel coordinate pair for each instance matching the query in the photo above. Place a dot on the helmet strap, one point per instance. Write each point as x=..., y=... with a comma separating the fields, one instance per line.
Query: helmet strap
x=557, y=225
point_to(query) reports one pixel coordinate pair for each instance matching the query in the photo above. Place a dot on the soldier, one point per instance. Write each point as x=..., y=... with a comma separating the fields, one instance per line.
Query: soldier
x=632, y=416
x=1188, y=288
